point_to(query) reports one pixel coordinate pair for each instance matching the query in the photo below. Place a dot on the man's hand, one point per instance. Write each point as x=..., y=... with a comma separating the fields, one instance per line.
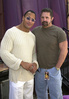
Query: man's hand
x=26, y=65
x=33, y=68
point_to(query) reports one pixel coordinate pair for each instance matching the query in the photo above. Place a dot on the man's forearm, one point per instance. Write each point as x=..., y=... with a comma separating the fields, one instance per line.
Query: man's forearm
x=61, y=58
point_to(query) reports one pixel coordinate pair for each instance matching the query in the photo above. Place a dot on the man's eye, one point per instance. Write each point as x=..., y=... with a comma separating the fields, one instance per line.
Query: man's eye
x=28, y=18
x=33, y=20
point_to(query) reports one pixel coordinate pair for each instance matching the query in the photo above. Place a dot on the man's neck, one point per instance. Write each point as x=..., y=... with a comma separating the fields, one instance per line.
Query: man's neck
x=22, y=28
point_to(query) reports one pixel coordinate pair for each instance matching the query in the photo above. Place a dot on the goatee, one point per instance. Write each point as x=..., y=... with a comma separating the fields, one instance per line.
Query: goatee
x=45, y=23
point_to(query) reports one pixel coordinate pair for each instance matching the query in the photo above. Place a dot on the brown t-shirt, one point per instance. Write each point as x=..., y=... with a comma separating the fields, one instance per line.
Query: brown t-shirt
x=47, y=45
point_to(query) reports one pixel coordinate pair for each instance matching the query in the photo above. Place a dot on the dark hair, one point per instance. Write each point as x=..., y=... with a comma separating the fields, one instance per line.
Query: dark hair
x=47, y=10
x=29, y=11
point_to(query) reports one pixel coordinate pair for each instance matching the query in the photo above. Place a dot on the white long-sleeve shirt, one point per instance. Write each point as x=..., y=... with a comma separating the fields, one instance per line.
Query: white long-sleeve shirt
x=17, y=46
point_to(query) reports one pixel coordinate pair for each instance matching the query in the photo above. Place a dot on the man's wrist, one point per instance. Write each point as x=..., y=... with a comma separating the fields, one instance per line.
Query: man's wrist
x=57, y=68
x=21, y=64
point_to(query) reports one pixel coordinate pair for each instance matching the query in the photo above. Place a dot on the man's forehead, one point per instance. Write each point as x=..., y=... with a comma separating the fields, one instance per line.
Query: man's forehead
x=29, y=13
x=32, y=15
x=45, y=13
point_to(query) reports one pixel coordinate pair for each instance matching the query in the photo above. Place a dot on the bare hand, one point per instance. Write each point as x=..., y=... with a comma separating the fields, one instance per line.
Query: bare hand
x=33, y=68
x=26, y=65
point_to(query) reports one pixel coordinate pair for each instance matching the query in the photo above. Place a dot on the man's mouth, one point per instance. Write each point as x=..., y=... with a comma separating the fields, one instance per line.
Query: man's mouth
x=44, y=23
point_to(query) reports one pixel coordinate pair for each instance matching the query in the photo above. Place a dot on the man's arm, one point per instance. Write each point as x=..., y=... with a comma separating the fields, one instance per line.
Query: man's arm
x=35, y=65
x=63, y=52
x=6, y=47
x=34, y=68
x=26, y=65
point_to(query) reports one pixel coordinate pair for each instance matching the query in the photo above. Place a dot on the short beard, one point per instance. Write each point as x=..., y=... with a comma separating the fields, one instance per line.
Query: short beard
x=44, y=23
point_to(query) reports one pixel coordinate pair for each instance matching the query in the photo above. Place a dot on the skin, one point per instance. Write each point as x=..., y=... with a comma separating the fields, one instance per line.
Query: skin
x=46, y=21
x=25, y=26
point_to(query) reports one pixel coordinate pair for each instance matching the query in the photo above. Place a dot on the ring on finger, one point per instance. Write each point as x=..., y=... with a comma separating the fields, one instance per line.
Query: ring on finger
x=31, y=67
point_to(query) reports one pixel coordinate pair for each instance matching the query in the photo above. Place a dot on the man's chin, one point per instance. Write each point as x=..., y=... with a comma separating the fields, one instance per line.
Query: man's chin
x=29, y=27
x=44, y=25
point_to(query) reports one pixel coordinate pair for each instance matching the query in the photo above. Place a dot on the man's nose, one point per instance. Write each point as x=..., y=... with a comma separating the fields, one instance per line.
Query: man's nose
x=44, y=19
x=30, y=20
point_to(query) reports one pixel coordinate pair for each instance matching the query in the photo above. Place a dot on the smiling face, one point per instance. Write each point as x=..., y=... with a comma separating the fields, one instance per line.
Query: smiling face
x=46, y=19
x=28, y=20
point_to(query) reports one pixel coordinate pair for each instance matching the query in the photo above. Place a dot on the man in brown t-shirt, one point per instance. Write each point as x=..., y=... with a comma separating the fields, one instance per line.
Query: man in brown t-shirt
x=51, y=46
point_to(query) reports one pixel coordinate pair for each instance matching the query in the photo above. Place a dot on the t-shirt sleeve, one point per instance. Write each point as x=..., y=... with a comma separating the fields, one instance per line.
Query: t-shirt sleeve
x=61, y=36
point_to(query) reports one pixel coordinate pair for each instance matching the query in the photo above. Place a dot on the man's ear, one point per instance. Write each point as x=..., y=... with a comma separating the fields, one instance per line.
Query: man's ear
x=22, y=18
x=52, y=18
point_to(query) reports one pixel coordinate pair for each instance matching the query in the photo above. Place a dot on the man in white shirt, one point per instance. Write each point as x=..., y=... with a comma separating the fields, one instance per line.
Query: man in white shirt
x=18, y=53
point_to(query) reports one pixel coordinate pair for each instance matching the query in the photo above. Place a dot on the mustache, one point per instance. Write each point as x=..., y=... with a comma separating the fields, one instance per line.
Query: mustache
x=44, y=23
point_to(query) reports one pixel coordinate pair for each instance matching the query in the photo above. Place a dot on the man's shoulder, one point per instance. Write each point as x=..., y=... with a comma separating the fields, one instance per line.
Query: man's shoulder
x=58, y=28
x=32, y=34
x=37, y=28
x=11, y=29
x=61, y=34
